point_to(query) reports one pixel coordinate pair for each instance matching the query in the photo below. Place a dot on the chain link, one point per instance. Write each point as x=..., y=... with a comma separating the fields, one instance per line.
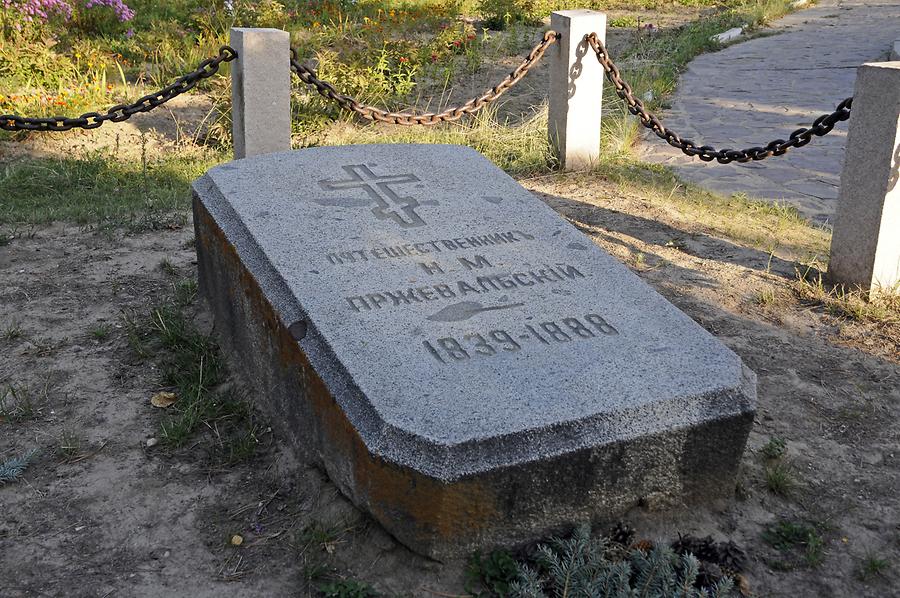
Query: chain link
x=821, y=126
x=308, y=76
x=209, y=67
x=120, y=112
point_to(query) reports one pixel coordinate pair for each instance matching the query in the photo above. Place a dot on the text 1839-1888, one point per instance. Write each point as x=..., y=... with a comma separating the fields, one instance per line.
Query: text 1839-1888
x=449, y=349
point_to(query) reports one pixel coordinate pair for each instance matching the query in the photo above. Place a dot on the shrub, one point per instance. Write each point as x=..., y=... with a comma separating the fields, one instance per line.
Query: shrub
x=90, y=16
x=498, y=14
x=35, y=10
x=586, y=566
x=104, y=17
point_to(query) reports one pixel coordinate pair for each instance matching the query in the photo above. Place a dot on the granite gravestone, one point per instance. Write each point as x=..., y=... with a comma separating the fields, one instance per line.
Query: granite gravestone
x=465, y=364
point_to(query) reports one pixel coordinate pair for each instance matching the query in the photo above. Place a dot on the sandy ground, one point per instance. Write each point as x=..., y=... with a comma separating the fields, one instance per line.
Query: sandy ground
x=120, y=519
x=114, y=517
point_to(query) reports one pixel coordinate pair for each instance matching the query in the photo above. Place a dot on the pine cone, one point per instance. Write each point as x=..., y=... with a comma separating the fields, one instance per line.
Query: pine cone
x=702, y=548
x=622, y=534
x=731, y=556
x=684, y=544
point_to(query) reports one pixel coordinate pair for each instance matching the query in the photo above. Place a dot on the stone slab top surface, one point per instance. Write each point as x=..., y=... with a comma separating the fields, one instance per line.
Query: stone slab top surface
x=460, y=323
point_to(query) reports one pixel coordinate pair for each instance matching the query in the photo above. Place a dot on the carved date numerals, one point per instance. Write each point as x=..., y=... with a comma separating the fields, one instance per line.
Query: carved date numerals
x=496, y=342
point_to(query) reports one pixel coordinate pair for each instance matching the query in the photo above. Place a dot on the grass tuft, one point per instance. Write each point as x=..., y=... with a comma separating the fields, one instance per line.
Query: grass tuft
x=12, y=331
x=796, y=538
x=347, y=588
x=775, y=448
x=873, y=566
x=780, y=478
x=856, y=304
x=18, y=404
x=100, y=331
x=191, y=363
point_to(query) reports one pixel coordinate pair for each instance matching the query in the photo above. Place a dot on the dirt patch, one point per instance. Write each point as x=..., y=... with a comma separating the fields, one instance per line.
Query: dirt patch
x=126, y=519
x=184, y=119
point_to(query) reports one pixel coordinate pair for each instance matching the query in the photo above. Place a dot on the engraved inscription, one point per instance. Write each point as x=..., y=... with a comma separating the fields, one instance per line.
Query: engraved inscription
x=388, y=204
x=461, y=288
x=450, y=349
x=426, y=247
x=432, y=267
x=479, y=262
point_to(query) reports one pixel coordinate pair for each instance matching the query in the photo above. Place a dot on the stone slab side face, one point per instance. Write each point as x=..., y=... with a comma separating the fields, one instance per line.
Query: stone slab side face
x=260, y=91
x=865, y=246
x=576, y=88
x=466, y=365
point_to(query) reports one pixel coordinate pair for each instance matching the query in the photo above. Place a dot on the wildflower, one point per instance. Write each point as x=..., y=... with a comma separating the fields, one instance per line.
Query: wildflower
x=130, y=33
x=404, y=59
x=122, y=11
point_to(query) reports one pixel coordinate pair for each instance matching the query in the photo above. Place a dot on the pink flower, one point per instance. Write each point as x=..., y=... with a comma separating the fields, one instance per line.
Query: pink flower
x=122, y=10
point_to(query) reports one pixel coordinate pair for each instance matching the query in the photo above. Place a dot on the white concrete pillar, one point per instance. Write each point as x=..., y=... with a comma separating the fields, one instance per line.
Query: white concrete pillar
x=576, y=88
x=865, y=247
x=261, y=91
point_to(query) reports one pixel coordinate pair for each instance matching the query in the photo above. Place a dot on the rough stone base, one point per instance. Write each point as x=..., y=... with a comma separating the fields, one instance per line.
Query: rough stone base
x=442, y=519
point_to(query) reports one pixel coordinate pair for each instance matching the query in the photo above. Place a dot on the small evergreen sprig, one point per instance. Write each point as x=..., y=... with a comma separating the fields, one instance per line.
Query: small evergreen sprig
x=585, y=567
x=12, y=469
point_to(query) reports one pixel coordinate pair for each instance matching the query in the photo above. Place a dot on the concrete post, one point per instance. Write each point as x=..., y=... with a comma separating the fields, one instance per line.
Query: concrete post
x=576, y=88
x=261, y=91
x=865, y=246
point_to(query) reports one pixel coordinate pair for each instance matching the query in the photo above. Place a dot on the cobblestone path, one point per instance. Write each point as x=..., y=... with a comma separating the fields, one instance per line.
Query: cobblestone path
x=752, y=92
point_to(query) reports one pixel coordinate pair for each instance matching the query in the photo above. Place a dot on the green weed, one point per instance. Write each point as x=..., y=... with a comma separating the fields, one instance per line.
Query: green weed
x=12, y=331
x=493, y=574
x=69, y=445
x=766, y=297
x=18, y=403
x=185, y=292
x=780, y=478
x=796, y=538
x=775, y=448
x=347, y=588
x=873, y=566
x=166, y=266
x=320, y=536
x=100, y=331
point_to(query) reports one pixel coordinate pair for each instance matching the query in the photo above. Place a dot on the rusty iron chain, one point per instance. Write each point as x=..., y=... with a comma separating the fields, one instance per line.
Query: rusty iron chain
x=326, y=89
x=821, y=126
x=120, y=112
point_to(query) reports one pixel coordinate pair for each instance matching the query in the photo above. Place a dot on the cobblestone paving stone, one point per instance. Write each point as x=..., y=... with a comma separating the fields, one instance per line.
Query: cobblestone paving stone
x=762, y=89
